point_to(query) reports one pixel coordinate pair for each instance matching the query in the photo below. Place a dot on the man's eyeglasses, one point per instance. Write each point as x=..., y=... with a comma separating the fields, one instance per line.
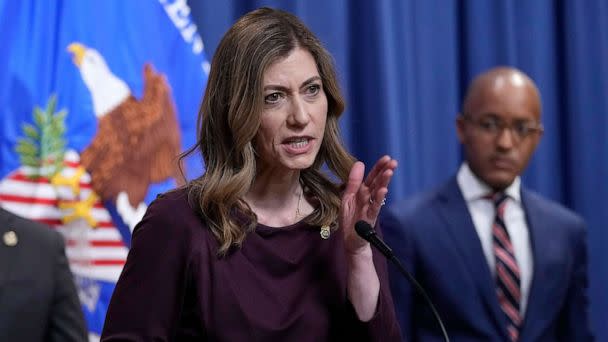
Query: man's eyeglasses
x=491, y=125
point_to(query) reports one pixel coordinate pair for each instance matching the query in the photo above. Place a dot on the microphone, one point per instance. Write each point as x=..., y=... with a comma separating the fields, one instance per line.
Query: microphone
x=367, y=232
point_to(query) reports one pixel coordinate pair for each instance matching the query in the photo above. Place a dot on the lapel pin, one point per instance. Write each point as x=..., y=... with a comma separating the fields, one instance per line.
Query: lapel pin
x=10, y=238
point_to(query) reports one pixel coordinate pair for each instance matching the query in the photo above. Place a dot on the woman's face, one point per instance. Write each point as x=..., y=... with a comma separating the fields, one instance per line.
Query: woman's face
x=294, y=114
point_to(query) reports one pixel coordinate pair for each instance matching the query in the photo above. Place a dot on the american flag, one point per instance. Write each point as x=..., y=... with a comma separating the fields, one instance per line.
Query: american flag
x=96, y=251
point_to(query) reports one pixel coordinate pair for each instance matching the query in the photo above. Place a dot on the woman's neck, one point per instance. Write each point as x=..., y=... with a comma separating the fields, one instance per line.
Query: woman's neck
x=278, y=200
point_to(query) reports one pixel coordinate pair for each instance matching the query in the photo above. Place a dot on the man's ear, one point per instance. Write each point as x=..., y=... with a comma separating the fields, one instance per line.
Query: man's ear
x=460, y=127
x=537, y=138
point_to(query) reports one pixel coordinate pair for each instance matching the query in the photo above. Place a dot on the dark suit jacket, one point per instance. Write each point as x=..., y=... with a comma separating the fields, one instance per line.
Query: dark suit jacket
x=38, y=299
x=433, y=235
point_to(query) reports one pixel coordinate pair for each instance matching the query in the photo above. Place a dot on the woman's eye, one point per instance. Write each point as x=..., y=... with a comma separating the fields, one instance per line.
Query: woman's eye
x=272, y=98
x=313, y=89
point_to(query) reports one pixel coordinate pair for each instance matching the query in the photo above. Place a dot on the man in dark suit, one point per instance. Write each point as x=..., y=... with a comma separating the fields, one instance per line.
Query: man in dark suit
x=38, y=299
x=500, y=262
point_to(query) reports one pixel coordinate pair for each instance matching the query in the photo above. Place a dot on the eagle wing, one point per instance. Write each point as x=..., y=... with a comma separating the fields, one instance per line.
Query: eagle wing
x=136, y=144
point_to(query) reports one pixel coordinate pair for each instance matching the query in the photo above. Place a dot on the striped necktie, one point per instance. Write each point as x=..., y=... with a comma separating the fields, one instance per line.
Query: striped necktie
x=508, y=286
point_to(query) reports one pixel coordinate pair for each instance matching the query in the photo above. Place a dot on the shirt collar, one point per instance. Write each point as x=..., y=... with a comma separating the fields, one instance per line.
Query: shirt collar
x=473, y=188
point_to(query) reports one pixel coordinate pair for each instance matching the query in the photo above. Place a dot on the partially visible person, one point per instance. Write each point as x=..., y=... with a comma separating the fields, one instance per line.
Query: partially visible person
x=38, y=298
x=262, y=246
x=500, y=262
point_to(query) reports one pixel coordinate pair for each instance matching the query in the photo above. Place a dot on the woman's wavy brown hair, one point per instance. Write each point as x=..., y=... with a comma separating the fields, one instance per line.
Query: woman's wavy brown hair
x=230, y=116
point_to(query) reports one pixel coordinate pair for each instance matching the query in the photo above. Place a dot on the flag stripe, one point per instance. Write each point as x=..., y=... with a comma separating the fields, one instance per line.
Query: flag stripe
x=40, y=180
x=97, y=253
x=97, y=243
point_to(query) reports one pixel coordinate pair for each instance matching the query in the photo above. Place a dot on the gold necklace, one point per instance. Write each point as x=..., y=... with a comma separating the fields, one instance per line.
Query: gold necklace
x=325, y=230
x=298, y=207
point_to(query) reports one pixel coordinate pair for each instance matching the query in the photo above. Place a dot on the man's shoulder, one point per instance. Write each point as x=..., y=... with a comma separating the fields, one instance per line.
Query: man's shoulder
x=422, y=204
x=551, y=209
x=36, y=233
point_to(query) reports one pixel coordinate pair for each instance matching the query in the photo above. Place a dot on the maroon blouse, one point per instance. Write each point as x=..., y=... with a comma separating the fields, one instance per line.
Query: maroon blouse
x=284, y=284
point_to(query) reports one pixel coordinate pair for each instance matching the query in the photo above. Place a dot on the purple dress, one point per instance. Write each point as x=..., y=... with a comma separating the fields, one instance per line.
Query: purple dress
x=284, y=284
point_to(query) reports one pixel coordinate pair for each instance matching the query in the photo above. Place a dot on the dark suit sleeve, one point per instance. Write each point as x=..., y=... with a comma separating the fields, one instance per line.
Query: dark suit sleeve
x=395, y=235
x=146, y=301
x=573, y=322
x=66, y=316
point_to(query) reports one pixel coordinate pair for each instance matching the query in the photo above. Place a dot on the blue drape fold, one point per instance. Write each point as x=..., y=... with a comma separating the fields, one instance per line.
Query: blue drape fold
x=404, y=66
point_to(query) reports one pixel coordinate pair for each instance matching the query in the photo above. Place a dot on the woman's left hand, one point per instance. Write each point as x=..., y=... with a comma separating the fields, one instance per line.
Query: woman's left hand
x=362, y=200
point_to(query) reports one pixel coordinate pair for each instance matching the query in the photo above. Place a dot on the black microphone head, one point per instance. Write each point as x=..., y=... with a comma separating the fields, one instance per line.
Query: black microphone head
x=364, y=229
x=367, y=232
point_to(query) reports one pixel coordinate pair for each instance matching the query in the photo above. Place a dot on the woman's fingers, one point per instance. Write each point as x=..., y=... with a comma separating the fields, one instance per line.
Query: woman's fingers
x=370, y=195
x=355, y=177
x=383, y=178
x=377, y=169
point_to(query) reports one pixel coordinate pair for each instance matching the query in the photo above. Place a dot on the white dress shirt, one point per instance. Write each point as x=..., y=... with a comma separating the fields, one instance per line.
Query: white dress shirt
x=482, y=213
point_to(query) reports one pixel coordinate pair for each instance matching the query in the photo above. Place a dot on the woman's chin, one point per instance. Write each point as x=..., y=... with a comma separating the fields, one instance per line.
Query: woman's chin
x=300, y=163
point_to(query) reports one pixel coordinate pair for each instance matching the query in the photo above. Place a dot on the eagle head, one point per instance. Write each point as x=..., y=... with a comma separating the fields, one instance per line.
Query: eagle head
x=107, y=90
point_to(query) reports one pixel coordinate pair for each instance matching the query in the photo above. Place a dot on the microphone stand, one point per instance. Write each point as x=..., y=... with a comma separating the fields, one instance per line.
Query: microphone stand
x=421, y=291
x=367, y=232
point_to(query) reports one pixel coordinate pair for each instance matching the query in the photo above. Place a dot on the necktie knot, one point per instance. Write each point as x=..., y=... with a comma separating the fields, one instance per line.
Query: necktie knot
x=498, y=198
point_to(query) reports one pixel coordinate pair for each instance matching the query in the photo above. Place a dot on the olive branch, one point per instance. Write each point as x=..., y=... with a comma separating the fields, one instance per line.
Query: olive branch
x=43, y=146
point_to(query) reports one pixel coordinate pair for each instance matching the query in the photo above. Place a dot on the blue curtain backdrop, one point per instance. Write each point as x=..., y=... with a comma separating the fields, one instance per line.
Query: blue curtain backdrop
x=404, y=66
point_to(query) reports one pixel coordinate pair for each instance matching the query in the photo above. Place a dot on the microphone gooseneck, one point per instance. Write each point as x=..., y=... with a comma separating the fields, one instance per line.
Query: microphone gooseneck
x=367, y=232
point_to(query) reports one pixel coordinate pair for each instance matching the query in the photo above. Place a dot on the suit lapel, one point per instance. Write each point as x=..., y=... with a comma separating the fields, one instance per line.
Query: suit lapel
x=7, y=253
x=459, y=224
x=538, y=230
